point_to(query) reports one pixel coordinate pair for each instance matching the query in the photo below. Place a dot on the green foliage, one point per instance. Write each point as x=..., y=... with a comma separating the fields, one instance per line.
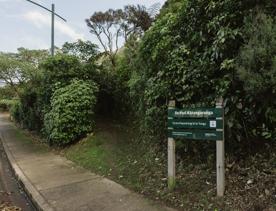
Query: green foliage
x=15, y=72
x=33, y=57
x=71, y=114
x=125, y=64
x=5, y=104
x=59, y=71
x=171, y=6
x=256, y=65
x=189, y=56
x=113, y=97
x=86, y=51
x=16, y=111
x=62, y=68
x=32, y=107
x=27, y=110
x=7, y=92
x=35, y=95
x=58, y=98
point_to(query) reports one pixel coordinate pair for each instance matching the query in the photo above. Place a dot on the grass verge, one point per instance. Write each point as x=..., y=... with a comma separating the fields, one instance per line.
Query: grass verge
x=112, y=152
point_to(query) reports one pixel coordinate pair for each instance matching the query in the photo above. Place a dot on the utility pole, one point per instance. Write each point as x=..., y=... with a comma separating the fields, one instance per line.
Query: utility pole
x=53, y=31
x=52, y=11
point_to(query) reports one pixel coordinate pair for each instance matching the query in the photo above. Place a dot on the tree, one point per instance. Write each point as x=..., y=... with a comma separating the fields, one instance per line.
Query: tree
x=139, y=19
x=113, y=26
x=33, y=57
x=14, y=72
x=18, y=68
x=256, y=66
x=86, y=51
x=171, y=6
x=106, y=26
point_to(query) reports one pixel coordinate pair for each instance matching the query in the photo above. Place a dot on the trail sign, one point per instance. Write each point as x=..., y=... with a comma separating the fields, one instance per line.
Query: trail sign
x=195, y=113
x=196, y=124
x=196, y=135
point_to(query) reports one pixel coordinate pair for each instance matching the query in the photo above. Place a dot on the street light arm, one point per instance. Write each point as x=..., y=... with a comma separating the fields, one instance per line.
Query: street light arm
x=46, y=9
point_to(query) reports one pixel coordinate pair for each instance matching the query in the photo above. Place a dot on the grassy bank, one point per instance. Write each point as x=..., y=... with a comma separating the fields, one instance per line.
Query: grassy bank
x=112, y=152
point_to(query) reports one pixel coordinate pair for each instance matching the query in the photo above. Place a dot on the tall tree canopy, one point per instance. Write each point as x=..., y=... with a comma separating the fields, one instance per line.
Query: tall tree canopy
x=115, y=26
x=85, y=50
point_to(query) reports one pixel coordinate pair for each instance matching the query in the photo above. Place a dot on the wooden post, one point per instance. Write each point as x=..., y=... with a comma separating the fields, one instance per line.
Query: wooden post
x=171, y=157
x=220, y=157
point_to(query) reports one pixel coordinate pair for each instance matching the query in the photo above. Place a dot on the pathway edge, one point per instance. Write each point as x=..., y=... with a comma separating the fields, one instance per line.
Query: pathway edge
x=35, y=196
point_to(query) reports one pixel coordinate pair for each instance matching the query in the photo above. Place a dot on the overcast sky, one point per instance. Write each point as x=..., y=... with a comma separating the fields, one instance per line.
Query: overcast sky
x=23, y=24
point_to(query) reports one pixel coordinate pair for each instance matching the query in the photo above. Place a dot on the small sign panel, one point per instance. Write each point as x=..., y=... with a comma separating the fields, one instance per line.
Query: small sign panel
x=213, y=124
x=195, y=113
x=197, y=135
x=196, y=123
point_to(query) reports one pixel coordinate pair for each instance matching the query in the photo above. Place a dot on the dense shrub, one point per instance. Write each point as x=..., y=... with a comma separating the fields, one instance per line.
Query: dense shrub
x=16, y=111
x=28, y=117
x=5, y=104
x=55, y=72
x=190, y=56
x=7, y=92
x=62, y=69
x=113, y=97
x=256, y=65
x=31, y=107
x=28, y=110
x=71, y=114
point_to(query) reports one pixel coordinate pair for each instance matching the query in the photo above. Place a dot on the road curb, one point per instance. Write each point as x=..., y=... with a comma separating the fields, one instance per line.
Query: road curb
x=37, y=199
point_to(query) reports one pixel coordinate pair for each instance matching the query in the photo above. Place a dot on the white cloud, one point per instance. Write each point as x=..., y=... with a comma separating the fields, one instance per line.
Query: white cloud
x=22, y=39
x=41, y=20
x=4, y=1
x=33, y=42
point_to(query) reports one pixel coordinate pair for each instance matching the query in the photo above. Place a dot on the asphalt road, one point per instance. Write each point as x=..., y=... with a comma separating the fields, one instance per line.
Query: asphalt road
x=12, y=197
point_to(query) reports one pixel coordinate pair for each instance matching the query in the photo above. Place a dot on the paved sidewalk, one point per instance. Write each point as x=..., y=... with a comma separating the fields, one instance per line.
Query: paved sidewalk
x=55, y=183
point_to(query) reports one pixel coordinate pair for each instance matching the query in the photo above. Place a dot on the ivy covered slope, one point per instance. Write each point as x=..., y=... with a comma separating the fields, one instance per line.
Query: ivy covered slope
x=207, y=49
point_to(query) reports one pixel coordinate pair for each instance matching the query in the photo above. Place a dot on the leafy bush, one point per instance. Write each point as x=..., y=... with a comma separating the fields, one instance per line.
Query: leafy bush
x=256, y=65
x=71, y=114
x=5, y=104
x=62, y=69
x=189, y=56
x=28, y=108
x=113, y=97
x=35, y=96
x=32, y=107
x=7, y=92
x=16, y=111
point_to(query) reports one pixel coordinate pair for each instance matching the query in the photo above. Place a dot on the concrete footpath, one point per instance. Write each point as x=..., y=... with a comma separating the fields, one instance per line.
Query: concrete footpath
x=54, y=183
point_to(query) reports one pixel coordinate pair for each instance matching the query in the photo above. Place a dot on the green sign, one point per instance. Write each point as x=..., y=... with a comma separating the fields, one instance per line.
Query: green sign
x=195, y=113
x=196, y=134
x=196, y=123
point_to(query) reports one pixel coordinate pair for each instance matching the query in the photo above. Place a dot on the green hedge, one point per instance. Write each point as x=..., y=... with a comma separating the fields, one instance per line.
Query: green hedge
x=71, y=114
x=16, y=111
x=206, y=50
x=5, y=104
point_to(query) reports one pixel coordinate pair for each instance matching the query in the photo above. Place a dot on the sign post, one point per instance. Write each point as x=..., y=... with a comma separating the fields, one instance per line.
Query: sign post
x=220, y=156
x=171, y=156
x=197, y=124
